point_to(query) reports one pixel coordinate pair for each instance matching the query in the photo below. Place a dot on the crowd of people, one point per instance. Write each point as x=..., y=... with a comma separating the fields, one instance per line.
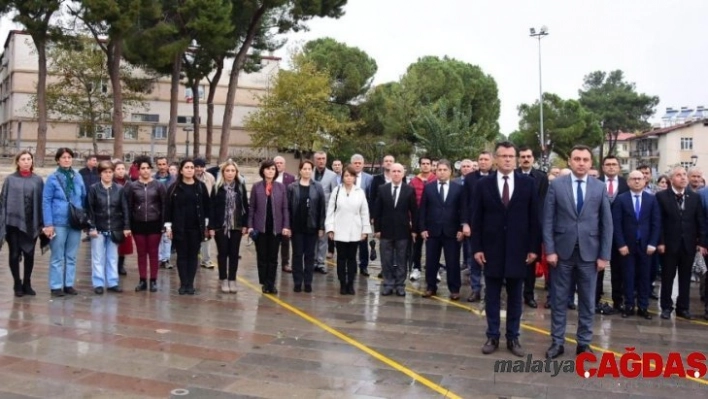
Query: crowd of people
x=502, y=222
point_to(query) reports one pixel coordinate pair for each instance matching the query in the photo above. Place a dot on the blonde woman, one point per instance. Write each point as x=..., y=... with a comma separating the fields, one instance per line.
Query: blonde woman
x=347, y=223
x=228, y=222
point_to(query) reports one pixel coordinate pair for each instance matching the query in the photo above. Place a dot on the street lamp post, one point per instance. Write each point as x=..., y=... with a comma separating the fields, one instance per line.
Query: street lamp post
x=540, y=35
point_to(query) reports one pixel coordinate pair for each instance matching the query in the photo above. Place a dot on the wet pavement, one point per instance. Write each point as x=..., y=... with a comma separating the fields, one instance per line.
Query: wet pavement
x=299, y=345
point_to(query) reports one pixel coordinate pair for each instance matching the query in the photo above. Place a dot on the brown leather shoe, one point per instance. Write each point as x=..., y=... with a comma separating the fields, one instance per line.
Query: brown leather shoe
x=429, y=293
x=455, y=297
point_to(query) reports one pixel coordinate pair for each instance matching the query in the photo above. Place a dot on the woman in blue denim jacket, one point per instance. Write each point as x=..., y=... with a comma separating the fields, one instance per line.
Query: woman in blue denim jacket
x=61, y=185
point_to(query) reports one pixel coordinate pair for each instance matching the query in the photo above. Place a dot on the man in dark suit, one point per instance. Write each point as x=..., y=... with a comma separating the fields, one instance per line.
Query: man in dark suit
x=614, y=185
x=683, y=233
x=394, y=214
x=441, y=227
x=485, y=161
x=577, y=233
x=637, y=224
x=505, y=242
x=363, y=181
x=376, y=182
x=526, y=161
x=285, y=178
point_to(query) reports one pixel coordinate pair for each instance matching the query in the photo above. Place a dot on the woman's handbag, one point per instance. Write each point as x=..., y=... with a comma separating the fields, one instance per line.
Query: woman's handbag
x=78, y=218
x=117, y=236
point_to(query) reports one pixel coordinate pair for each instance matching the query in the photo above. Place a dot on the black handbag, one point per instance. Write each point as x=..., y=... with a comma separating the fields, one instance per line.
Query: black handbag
x=117, y=236
x=78, y=218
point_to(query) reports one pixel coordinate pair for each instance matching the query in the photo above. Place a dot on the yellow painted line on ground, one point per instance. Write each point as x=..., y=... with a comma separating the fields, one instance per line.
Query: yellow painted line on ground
x=351, y=341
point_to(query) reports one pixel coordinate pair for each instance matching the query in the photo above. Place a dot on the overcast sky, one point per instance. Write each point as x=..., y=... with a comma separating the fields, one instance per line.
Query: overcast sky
x=662, y=46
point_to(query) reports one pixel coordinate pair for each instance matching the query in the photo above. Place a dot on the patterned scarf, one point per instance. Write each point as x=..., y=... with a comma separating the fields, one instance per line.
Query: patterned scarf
x=231, y=194
x=69, y=177
x=268, y=188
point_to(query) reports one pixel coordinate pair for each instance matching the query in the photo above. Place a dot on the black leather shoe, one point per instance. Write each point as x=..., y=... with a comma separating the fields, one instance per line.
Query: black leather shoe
x=572, y=306
x=627, y=312
x=582, y=349
x=98, y=290
x=115, y=289
x=19, y=292
x=644, y=313
x=297, y=288
x=684, y=314
x=515, y=347
x=372, y=253
x=604, y=309
x=182, y=290
x=554, y=351
x=531, y=303
x=402, y=292
x=70, y=291
x=474, y=297
x=364, y=272
x=57, y=293
x=387, y=291
x=27, y=288
x=666, y=314
x=342, y=288
x=264, y=289
x=350, y=288
x=142, y=286
x=321, y=270
x=121, y=271
x=490, y=346
x=153, y=286
x=273, y=290
x=308, y=288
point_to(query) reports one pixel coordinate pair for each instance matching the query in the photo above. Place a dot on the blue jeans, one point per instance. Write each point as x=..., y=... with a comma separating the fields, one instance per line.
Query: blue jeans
x=104, y=261
x=62, y=263
x=475, y=276
x=165, y=249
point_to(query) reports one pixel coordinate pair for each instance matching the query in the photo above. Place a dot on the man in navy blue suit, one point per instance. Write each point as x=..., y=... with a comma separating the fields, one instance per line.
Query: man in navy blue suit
x=637, y=223
x=506, y=239
x=441, y=228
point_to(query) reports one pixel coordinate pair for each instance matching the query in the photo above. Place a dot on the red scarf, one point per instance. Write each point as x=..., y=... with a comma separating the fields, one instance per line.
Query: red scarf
x=25, y=173
x=268, y=188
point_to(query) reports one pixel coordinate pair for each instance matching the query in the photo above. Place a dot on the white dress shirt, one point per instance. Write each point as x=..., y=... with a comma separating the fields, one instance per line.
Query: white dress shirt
x=500, y=184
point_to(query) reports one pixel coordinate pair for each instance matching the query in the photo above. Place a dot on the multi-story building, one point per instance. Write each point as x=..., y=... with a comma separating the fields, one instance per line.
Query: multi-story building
x=682, y=141
x=145, y=130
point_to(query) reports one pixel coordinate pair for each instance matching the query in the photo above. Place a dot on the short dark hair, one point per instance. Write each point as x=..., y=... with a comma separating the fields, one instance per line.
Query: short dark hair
x=580, y=147
x=304, y=162
x=505, y=144
x=445, y=162
x=485, y=152
x=63, y=150
x=609, y=157
x=524, y=148
x=643, y=167
x=160, y=157
x=421, y=158
x=265, y=165
x=144, y=159
x=90, y=157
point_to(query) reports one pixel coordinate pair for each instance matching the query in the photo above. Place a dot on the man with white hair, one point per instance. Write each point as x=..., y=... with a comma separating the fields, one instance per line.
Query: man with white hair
x=695, y=178
x=285, y=178
x=325, y=177
x=363, y=181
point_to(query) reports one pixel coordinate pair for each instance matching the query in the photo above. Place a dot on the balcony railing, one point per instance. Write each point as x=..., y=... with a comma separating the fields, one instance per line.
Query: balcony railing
x=645, y=153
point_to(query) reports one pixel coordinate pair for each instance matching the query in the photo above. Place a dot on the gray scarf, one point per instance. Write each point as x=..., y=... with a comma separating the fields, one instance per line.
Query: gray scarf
x=21, y=204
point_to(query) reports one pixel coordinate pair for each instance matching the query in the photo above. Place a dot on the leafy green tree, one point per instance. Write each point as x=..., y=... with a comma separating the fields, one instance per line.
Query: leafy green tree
x=296, y=113
x=255, y=22
x=111, y=23
x=616, y=104
x=36, y=16
x=566, y=123
x=81, y=90
x=351, y=70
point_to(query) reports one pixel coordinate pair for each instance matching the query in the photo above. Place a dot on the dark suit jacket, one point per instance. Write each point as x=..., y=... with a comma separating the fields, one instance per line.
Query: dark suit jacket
x=622, y=187
x=469, y=186
x=288, y=179
x=626, y=224
x=441, y=219
x=395, y=223
x=376, y=182
x=541, y=181
x=681, y=229
x=506, y=234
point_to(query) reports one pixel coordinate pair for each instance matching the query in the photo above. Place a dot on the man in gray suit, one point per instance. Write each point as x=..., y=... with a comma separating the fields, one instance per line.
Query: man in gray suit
x=577, y=233
x=325, y=177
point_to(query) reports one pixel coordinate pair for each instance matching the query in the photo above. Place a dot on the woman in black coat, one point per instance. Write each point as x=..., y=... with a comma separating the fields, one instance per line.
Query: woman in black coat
x=228, y=222
x=306, y=202
x=186, y=222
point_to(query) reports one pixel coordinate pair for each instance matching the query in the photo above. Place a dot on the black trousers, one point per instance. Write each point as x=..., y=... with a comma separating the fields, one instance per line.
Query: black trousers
x=19, y=244
x=671, y=263
x=417, y=253
x=346, y=260
x=188, y=243
x=530, y=282
x=267, y=248
x=303, y=247
x=284, y=251
x=228, y=249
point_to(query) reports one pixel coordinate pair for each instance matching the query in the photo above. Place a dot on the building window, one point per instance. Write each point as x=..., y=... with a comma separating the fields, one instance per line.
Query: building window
x=146, y=118
x=159, y=132
x=686, y=143
x=686, y=165
x=189, y=95
x=130, y=132
x=186, y=119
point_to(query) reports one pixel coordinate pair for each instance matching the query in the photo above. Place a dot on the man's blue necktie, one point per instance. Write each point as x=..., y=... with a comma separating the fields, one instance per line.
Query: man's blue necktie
x=579, y=203
x=637, y=209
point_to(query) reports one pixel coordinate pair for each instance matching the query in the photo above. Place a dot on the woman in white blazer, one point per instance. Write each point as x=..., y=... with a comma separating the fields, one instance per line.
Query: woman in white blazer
x=347, y=224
